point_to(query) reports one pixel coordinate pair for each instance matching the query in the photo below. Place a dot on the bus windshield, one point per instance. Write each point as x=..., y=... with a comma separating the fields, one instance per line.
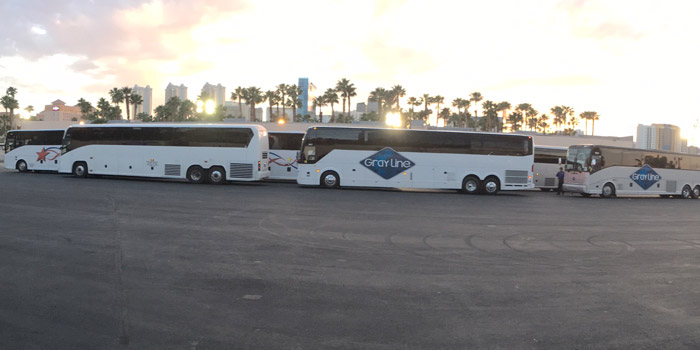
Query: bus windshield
x=578, y=158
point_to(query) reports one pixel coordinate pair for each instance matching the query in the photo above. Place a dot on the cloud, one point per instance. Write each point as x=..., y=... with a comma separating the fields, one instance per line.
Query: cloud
x=96, y=29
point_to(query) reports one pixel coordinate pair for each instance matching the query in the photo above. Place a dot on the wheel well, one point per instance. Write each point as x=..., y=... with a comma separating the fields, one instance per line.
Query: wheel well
x=612, y=185
x=498, y=180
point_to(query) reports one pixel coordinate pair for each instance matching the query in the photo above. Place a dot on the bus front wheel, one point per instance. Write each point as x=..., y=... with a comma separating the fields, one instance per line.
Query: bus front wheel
x=80, y=169
x=471, y=184
x=195, y=174
x=217, y=175
x=608, y=191
x=330, y=179
x=687, y=193
x=21, y=166
x=491, y=185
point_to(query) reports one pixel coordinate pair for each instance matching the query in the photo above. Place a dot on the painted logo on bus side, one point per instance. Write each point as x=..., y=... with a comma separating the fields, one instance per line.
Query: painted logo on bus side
x=387, y=163
x=645, y=177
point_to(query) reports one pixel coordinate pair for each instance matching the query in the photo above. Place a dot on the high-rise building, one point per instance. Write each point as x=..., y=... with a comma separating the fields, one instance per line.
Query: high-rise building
x=146, y=94
x=175, y=91
x=308, y=93
x=215, y=92
x=663, y=137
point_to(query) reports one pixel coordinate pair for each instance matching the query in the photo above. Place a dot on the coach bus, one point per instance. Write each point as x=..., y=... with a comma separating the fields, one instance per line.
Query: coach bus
x=284, y=148
x=609, y=171
x=400, y=158
x=28, y=150
x=198, y=152
x=548, y=160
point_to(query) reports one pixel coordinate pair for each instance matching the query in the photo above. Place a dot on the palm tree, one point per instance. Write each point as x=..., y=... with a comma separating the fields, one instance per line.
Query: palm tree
x=29, y=109
x=136, y=100
x=271, y=97
x=476, y=98
x=104, y=109
x=116, y=96
x=438, y=100
x=594, y=117
x=252, y=96
x=379, y=95
x=490, y=113
x=503, y=107
x=397, y=91
x=126, y=92
x=319, y=101
x=10, y=104
x=515, y=119
x=85, y=108
x=237, y=95
x=414, y=102
x=331, y=97
x=559, y=116
x=542, y=123
x=444, y=114
x=282, y=92
x=347, y=90
x=294, y=92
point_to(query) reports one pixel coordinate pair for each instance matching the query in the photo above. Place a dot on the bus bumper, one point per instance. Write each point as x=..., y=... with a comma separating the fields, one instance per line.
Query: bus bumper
x=574, y=188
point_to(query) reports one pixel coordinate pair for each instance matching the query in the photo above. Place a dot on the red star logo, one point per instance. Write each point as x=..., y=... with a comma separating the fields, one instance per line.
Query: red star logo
x=42, y=155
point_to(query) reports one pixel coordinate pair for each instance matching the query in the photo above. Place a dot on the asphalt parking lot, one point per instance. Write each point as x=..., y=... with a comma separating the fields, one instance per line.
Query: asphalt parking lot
x=130, y=263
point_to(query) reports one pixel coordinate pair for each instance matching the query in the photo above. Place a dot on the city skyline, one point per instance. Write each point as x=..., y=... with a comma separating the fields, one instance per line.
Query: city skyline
x=628, y=60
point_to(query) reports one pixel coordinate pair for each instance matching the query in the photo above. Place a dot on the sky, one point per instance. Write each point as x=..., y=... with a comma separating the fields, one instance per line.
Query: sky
x=632, y=61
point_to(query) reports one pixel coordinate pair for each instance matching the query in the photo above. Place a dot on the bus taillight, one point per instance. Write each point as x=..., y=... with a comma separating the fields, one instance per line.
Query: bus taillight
x=259, y=165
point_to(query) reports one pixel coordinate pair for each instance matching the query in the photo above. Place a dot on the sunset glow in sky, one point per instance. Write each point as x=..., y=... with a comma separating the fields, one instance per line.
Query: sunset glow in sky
x=630, y=61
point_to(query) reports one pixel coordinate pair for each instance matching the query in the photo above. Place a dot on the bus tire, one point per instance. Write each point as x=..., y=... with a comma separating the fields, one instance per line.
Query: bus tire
x=608, y=191
x=21, y=166
x=471, y=185
x=80, y=169
x=696, y=192
x=686, y=193
x=491, y=185
x=216, y=175
x=330, y=179
x=196, y=175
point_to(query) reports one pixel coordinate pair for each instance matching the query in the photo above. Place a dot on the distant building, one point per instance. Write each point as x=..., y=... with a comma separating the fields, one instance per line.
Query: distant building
x=663, y=137
x=233, y=110
x=307, y=95
x=361, y=107
x=59, y=111
x=215, y=92
x=146, y=94
x=175, y=91
x=372, y=106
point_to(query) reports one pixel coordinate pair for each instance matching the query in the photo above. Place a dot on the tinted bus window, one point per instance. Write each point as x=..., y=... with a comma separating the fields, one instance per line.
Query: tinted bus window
x=285, y=141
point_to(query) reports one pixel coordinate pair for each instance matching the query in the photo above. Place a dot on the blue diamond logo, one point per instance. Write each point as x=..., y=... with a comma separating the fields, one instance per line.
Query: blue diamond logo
x=387, y=163
x=645, y=177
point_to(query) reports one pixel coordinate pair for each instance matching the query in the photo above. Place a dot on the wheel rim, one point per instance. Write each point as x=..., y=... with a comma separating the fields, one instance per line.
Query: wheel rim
x=491, y=187
x=607, y=191
x=22, y=166
x=216, y=176
x=686, y=192
x=330, y=180
x=79, y=170
x=196, y=175
x=471, y=185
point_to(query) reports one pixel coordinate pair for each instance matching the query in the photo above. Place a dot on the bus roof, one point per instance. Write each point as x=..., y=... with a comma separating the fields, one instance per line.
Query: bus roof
x=33, y=130
x=168, y=125
x=632, y=149
x=417, y=130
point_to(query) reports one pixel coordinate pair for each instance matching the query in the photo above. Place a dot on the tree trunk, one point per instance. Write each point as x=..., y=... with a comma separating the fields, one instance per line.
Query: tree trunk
x=342, y=117
x=252, y=112
x=127, y=110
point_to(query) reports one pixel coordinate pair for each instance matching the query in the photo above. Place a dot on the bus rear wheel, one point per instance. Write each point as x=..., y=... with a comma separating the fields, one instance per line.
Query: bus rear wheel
x=608, y=191
x=491, y=185
x=21, y=166
x=330, y=179
x=195, y=174
x=471, y=185
x=80, y=169
x=696, y=192
x=217, y=175
x=687, y=193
